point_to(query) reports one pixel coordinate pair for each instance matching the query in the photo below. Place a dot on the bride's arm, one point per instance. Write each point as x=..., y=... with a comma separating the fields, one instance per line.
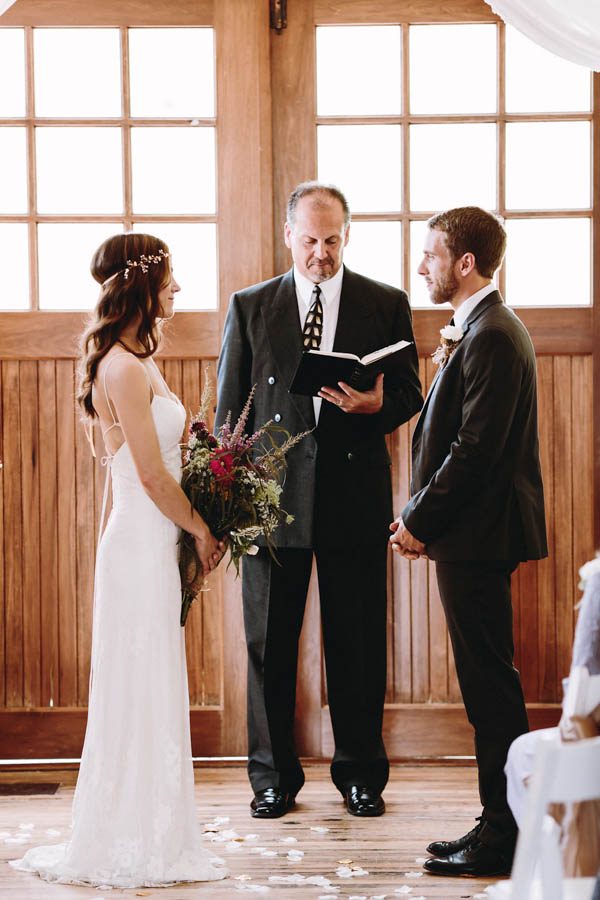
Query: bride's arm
x=128, y=389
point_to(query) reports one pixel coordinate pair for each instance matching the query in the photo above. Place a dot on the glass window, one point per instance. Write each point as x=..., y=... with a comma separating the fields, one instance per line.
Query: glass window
x=548, y=165
x=365, y=162
x=77, y=72
x=452, y=165
x=13, y=170
x=375, y=250
x=539, y=81
x=70, y=286
x=453, y=68
x=373, y=87
x=548, y=262
x=172, y=72
x=173, y=170
x=15, y=264
x=194, y=257
x=12, y=72
x=79, y=170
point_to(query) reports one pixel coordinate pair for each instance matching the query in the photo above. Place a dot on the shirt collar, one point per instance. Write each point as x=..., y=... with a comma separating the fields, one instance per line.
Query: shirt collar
x=465, y=309
x=329, y=288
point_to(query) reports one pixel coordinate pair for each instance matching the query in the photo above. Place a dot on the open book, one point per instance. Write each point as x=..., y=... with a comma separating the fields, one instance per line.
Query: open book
x=318, y=369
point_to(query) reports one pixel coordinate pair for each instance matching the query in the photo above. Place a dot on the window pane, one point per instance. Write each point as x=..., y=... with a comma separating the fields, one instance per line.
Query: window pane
x=173, y=170
x=375, y=250
x=12, y=72
x=369, y=88
x=172, y=72
x=548, y=262
x=453, y=68
x=194, y=258
x=452, y=165
x=539, y=81
x=70, y=286
x=77, y=72
x=13, y=170
x=79, y=170
x=364, y=161
x=15, y=253
x=548, y=165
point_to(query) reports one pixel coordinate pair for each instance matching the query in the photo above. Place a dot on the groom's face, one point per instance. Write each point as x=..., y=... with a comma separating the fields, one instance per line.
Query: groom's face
x=317, y=237
x=437, y=268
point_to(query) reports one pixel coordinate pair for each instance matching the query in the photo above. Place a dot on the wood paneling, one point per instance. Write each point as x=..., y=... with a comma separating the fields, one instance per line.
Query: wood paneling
x=109, y=12
x=50, y=497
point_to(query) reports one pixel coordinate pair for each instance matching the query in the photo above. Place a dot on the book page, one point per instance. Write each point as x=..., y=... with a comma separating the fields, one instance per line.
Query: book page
x=379, y=354
x=335, y=354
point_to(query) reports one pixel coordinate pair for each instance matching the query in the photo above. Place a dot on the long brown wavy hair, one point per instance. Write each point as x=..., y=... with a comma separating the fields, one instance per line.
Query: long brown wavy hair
x=122, y=301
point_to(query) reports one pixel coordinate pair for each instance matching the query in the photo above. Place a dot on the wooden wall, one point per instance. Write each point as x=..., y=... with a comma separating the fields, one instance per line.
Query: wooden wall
x=50, y=502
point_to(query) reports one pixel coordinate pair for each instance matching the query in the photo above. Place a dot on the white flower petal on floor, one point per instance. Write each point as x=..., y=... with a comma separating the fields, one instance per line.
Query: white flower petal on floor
x=257, y=849
x=5, y=834
x=253, y=888
x=232, y=846
x=28, y=827
x=16, y=840
x=253, y=837
x=53, y=832
x=420, y=860
x=319, y=828
x=413, y=874
x=288, y=840
x=295, y=855
x=242, y=877
x=350, y=871
x=405, y=889
x=269, y=853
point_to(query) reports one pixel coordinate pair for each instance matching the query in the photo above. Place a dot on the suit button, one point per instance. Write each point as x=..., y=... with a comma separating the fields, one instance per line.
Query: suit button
x=271, y=379
x=277, y=417
x=350, y=457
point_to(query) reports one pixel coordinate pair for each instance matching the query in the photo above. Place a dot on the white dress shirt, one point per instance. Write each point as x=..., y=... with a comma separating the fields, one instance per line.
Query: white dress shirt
x=331, y=291
x=465, y=309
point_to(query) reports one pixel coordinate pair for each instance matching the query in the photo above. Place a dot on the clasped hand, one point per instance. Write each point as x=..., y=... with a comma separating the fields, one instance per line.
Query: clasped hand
x=405, y=543
x=351, y=401
x=210, y=551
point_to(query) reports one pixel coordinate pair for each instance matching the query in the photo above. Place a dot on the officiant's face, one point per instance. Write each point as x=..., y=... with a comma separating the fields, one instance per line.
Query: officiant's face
x=317, y=237
x=437, y=268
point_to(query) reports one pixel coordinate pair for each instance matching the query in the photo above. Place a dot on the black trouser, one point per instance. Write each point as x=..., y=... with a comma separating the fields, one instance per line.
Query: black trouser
x=477, y=602
x=352, y=587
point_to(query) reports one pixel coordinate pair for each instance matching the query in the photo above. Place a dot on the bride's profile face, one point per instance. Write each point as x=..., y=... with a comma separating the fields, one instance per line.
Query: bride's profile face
x=166, y=296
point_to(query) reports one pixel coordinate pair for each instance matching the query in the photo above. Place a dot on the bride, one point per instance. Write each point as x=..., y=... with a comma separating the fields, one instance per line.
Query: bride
x=134, y=821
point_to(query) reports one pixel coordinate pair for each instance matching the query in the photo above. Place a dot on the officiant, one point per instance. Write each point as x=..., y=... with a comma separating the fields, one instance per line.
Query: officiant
x=338, y=488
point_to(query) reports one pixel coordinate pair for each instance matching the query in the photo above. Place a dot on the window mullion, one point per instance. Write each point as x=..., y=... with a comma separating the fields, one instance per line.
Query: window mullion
x=126, y=130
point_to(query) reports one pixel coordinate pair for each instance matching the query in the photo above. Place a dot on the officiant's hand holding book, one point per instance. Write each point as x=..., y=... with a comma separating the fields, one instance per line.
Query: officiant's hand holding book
x=319, y=369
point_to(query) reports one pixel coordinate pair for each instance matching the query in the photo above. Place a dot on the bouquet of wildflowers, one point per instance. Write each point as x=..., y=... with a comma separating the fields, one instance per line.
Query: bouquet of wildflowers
x=234, y=481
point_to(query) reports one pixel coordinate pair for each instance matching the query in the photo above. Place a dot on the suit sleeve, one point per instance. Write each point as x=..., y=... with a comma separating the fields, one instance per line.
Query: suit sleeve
x=401, y=392
x=493, y=374
x=234, y=367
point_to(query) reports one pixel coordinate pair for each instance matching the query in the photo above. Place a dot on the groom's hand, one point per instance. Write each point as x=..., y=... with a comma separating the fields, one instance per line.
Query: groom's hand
x=351, y=401
x=403, y=542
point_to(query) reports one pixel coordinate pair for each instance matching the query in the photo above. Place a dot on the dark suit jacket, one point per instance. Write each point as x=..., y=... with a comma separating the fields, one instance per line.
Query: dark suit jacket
x=476, y=479
x=337, y=484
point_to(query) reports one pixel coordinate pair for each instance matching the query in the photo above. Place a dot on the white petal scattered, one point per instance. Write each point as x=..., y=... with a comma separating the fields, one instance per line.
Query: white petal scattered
x=358, y=897
x=319, y=828
x=257, y=849
x=53, y=832
x=413, y=874
x=377, y=897
x=420, y=860
x=242, y=877
x=233, y=846
x=5, y=834
x=295, y=855
x=253, y=888
x=16, y=840
x=405, y=889
x=28, y=827
x=321, y=881
x=287, y=879
x=269, y=853
x=222, y=820
x=253, y=837
x=105, y=887
x=351, y=872
x=287, y=840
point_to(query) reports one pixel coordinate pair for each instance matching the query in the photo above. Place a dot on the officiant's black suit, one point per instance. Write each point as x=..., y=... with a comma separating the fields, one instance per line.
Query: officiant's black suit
x=478, y=505
x=338, y=489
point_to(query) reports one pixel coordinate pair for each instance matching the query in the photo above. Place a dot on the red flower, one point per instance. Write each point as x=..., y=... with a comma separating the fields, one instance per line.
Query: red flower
x=222, y=466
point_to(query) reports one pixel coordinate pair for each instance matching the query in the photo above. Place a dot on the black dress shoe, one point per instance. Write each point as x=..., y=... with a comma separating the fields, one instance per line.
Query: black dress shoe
x=362, y=801
x=446, y=848
x=271, y=804
x=477, y=861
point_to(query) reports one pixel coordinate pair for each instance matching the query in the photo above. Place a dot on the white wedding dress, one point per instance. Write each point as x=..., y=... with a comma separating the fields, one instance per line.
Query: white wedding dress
x=134, y=820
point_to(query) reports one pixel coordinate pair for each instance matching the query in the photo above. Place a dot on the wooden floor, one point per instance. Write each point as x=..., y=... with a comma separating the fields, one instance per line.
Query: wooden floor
x=423, y=803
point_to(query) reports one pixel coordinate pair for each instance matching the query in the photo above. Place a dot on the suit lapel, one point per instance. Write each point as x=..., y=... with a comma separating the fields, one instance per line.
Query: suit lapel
x=282, y=325
x=352, y=333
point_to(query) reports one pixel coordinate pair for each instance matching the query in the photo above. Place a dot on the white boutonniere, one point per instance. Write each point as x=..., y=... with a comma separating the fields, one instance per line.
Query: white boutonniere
x=450, y=338
x=587, y=570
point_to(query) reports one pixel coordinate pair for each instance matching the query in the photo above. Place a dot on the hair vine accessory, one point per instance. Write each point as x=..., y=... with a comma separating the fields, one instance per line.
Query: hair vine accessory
x=142, y=263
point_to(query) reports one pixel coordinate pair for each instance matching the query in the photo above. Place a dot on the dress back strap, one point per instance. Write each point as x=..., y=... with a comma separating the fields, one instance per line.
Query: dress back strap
x=115, y=421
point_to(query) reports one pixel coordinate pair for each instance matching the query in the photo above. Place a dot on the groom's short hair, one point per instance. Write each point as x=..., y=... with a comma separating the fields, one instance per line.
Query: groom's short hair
x=470, y=229
x=320, y=191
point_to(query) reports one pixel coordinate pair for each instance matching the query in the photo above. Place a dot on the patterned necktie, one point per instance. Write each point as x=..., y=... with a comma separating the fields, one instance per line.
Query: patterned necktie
x=313, y=326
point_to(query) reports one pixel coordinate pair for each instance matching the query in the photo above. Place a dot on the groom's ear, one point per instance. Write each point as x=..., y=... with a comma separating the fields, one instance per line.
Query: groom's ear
x=287, y=234
x=466, y=264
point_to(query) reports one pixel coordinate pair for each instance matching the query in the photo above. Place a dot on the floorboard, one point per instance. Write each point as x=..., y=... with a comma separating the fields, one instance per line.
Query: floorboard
x=423, y=803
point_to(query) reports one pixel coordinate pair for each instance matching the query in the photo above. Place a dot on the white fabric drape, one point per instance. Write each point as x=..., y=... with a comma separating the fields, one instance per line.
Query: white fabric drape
x=570, y=30
x=4, y=5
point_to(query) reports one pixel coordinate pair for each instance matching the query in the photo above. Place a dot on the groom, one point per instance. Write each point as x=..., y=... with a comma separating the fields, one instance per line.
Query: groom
x=477, y=506
x=337, y=487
